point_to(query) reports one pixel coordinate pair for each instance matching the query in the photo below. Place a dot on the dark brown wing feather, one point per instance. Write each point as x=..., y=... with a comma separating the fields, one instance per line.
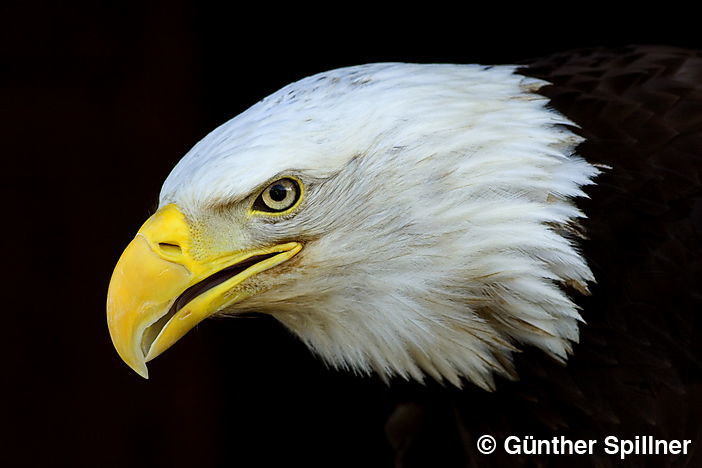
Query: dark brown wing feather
x=637, y=369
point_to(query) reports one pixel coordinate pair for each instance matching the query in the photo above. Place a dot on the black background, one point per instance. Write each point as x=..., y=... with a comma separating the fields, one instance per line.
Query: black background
x=98, y=102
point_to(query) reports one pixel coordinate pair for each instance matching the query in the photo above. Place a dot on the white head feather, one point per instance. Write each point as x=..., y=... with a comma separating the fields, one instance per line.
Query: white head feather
x=436, y=218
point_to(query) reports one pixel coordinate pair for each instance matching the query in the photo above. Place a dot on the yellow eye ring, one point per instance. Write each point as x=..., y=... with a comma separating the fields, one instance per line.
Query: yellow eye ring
x=279, y=197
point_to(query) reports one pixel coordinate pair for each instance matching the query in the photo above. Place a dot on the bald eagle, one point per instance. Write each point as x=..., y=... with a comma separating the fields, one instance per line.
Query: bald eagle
x=529, y=235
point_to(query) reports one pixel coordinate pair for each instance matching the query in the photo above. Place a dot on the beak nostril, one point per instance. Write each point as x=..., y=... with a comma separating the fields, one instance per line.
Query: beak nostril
x=171, y=249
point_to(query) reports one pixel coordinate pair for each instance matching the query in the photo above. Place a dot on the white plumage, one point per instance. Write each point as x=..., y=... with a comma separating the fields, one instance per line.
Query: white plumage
x=438, y=217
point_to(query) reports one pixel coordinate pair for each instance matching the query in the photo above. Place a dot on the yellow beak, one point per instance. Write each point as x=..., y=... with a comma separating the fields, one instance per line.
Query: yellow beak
x=163, y=285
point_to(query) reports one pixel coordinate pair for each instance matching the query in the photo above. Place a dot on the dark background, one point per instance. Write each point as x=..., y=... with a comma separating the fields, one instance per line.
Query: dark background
x=98, y=102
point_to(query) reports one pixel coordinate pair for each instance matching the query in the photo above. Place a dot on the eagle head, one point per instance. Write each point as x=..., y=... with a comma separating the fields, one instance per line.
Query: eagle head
x=405, y=219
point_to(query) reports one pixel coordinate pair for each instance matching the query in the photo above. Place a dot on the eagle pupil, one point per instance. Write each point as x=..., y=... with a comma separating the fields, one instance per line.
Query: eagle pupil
x=278, y=192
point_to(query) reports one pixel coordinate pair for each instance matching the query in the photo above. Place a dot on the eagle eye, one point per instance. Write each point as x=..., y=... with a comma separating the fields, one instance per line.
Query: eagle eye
x=279, y=196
